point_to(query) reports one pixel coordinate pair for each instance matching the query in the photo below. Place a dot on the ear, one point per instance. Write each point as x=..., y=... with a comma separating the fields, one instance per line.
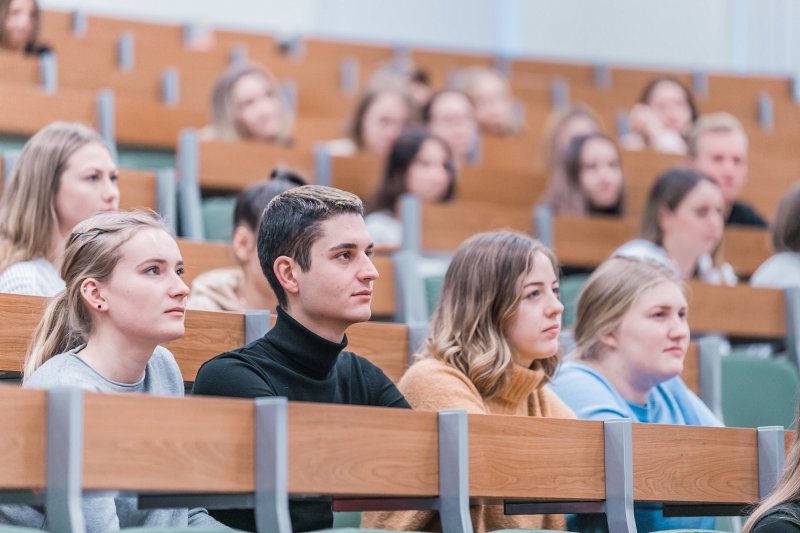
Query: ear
x=92, y=294
x=609, y=339
x=243, y=243
x=286, y=270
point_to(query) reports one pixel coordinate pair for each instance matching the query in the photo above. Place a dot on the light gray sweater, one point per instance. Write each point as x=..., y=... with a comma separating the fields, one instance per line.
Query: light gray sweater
x=107, y=513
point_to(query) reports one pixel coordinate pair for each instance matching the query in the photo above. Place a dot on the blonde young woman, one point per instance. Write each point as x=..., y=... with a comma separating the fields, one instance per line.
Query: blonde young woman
x=631, y=337
x=124, y=296
x=780, y=511
x=246, y=104
x=64, y=175
x=493, y=346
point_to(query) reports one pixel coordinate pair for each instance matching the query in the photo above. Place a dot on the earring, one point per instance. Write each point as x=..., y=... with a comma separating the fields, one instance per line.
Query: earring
x=99, y=306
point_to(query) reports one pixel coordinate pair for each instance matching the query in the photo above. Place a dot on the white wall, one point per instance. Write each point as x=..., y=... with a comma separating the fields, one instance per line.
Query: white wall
x=737, y=35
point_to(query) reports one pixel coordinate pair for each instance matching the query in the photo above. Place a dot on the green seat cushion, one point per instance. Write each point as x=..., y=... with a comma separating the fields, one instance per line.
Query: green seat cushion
x=433, y=289
x=758, y=391
x=218, y=218
x=570, y=288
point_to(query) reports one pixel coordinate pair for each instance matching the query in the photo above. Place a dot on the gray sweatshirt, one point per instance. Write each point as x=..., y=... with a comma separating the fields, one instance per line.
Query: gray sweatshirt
x=107, y=513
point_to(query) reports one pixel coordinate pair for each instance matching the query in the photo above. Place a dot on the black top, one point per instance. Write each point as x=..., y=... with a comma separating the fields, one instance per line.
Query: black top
x=784, y=518
x=294, y=362
x=745, y=215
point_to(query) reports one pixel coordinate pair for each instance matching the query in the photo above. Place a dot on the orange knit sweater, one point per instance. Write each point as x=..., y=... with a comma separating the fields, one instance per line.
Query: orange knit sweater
x=431, y=385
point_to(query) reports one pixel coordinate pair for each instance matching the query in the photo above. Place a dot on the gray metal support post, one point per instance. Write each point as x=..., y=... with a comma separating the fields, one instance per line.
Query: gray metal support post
x=411, y=218
x=454, y=472
x=289, y=95
x=543, y=225
x=189, y=185
x=602, y=76
x=559, y=93
x=125, y=51
x=709, y=354
x=171, y=87
x=271, y=463
x=766, y=115
x=700, y=83
x=322, y=165
x=256, y=324
x=167, y=197
x=239, y=55
x=80, y=23
x=623, y=123
x=106, y=120
x=791, y=302
x=64, y=460
x=48, y=72
x=770, y=458
x=619, y=475
x=349, y=75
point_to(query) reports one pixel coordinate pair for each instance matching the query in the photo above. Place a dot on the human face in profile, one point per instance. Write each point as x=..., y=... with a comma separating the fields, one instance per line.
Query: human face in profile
x=336, y=290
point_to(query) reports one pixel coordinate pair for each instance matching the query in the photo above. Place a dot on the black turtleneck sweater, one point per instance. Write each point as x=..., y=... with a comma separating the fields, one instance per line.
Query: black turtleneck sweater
x=294, y=362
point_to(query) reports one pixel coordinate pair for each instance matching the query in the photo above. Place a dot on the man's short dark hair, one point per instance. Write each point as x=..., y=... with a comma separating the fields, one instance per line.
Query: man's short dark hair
x=292, y=224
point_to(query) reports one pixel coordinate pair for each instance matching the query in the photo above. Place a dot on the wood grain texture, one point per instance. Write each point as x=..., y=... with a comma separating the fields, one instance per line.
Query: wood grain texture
x=207, y=334
x=34, y=109
x=691, y=369
x=143, y=121
x=694, y=464
x=587, y=242
x=537, y=458
x=23, y=438
x=446, y=226
x=383, y=288
x=385, y=345
x=235, y=165
x=359, y=174
x=736, y=311
x=163, y=444
x=351, y=451
x=137, y=190
x=201, y=257
x=19, y=315
x=19, y=69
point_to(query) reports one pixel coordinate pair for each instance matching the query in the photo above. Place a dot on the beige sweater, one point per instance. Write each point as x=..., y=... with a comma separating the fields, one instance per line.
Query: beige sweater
x=431, y=385
x=218, y=290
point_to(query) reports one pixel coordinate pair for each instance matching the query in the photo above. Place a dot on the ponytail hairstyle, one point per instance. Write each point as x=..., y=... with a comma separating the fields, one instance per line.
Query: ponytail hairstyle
x=92, y=251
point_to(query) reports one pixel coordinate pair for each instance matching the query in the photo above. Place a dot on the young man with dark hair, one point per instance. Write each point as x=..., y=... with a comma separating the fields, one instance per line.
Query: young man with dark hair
x=315, y=252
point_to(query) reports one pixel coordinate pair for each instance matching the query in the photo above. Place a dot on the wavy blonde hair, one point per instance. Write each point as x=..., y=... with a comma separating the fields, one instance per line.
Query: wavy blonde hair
x=92, y=251
x=608, y=294
x=29, y=224
x=481, y=293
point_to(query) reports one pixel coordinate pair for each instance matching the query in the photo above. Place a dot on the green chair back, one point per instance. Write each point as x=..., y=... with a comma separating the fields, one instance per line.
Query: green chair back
x=570, y=288
x=218, y=218
x=758, y=391
x=433, y=290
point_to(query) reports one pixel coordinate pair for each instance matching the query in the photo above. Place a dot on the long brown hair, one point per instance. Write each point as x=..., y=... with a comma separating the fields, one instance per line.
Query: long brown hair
x=28, y=220
x=481, y=293
x=92, y=251
x=33, y=41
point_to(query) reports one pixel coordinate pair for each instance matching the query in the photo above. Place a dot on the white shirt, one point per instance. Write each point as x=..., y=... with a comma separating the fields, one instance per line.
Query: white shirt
x=37, y=277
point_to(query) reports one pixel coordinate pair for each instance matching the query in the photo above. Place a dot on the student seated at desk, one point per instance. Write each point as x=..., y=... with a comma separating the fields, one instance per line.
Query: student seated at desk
x=782, y=270
x=315, y=252
x=631, y=337
x=493, y=346
x=246, y=104
x=420, y=164
x=124, y=297
x=682, y=228
x=64, y=175
x=243, y=287
x=19, y=27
